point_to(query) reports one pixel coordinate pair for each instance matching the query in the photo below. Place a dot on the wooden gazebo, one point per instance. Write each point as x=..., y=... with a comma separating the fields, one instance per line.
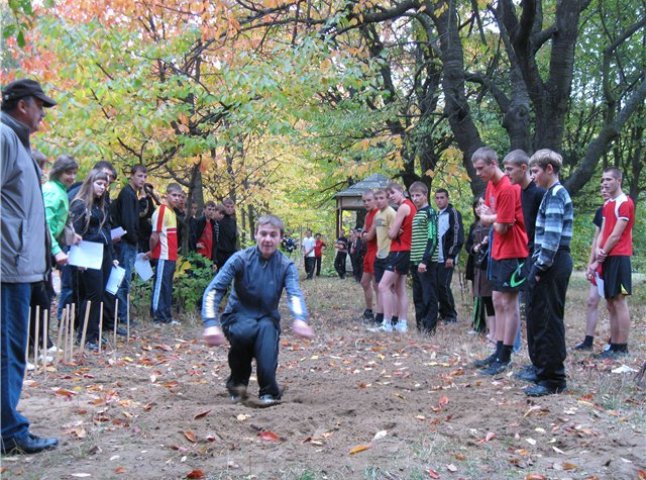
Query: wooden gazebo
x=350, y=198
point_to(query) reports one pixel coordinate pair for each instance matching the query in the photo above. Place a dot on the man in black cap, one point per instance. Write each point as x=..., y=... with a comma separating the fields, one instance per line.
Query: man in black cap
x=25, y=251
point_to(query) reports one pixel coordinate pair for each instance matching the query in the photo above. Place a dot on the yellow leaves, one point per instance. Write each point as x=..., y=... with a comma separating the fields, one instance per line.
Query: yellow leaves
x=359, y=448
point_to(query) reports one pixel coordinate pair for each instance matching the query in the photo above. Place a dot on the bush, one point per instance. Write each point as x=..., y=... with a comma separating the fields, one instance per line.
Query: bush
x=193, y=273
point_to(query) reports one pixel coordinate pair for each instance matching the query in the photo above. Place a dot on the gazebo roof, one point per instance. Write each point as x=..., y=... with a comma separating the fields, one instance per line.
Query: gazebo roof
x=376, y=180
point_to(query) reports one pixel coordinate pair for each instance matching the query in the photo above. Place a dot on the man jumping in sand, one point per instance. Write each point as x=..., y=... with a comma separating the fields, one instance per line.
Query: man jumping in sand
x=251, y=321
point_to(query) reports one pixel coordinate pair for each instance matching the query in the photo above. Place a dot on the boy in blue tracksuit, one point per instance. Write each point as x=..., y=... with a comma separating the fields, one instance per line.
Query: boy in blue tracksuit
x=251, y=321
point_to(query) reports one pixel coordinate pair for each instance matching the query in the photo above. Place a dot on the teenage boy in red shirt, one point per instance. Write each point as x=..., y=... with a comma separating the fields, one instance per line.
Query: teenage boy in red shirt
x=613, y=254
x=392, y=287
x=503, y=210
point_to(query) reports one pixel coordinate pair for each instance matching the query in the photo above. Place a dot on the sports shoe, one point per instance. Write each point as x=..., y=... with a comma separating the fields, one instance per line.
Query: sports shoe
x=386, y=327
x=401, y=327
x=485, y=362
x=542, y=390
x=368, y=315
x=527, y=373
x=583, y=346
x=611, y=354
x=268, y=400
x=30, y=367
x=237, y=393
x=495, y=368
x=174, y=322
x=92, y=346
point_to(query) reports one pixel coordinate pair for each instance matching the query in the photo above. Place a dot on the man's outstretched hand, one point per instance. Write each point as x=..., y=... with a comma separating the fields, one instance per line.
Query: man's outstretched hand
x=213, y=336
x=302, y=329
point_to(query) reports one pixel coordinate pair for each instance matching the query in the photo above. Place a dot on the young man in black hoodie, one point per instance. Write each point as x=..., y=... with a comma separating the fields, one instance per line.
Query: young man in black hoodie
x=125, y=214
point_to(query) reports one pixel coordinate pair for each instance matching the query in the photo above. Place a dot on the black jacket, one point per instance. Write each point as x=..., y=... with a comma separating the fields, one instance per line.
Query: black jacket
x=453, y=239
x=125, y=214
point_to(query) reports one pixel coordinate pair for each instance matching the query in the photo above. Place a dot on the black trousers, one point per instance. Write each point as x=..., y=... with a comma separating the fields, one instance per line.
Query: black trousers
x=41, y=296
x=445, y=295
x=92, y=289
x=318, y=261
x=425, y=299
x=545, y=311
x=339, y=263
x=309, y=266
x=253, y=338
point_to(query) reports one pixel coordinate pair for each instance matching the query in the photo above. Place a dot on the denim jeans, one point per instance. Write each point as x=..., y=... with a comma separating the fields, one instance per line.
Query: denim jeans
x=13, y=342
x=162, y=295
x=127, y=256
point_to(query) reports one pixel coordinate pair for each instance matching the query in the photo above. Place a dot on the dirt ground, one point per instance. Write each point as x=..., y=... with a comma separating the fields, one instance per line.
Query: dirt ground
x=358, y=405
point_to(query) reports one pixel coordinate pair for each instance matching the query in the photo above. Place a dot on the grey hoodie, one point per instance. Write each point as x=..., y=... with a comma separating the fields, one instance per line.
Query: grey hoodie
x=22, y=212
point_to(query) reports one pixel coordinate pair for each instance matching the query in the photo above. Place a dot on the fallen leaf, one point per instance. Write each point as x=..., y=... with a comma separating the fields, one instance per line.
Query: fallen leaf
x=164, y=347
x=535, y=476
x=242, y=417
x=190, y=436
x=65, y=393
x=359, y=448
x=641, y=474
x=195, y=474
x=569, y=466
x=269, y=436
x=459, y=456
x=201, y=415
x=451, y=468
x=444, y=400
x=433, y=474
x=119, y=470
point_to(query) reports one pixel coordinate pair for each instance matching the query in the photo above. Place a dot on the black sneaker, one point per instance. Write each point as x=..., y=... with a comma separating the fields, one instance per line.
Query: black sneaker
x=527, y=373
x=495, y=368
x=368, y=315
x=583, y=346
x=237, y=393
x=485, y=362
x=542, y=390
x=611, y=354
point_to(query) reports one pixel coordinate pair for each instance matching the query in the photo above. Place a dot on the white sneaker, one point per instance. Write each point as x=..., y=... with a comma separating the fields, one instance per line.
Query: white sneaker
x=30, y=367
x=45, y=358
x=53, y=349
x=401, y=326
x=386, y=327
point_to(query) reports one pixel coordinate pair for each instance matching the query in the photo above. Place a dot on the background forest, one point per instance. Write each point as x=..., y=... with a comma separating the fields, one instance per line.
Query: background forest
x=280, y=104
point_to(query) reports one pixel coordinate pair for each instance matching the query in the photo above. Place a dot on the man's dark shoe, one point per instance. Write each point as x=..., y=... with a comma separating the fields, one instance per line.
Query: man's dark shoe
x=28, y=444
x=611, y=354
x=122, y=332
x=368, y=315
x=485, y=362
x=92, y=346
x=583, y=346
x=542, y=390
x=528, y=374
x=238, y=393
x=495, y=368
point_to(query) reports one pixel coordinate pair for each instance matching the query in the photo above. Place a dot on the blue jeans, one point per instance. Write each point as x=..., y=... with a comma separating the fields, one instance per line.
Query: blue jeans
x=13, y=342
x=162, y=296
x=127, y=256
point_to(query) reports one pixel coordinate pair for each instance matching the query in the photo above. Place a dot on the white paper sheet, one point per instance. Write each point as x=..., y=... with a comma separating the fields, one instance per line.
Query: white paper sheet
x=600, y=285
x=86, y=254
x=114, y=282
x=117, y=233
x=143, y=267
